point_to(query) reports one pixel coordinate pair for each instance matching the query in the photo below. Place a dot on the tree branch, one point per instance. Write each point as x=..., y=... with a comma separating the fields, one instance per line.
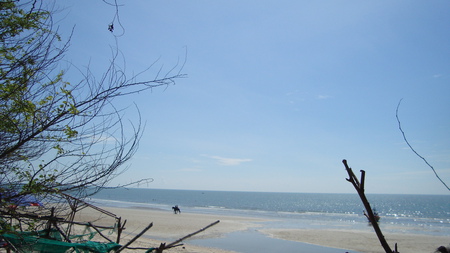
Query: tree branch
x=412, y=149
x=360, y=189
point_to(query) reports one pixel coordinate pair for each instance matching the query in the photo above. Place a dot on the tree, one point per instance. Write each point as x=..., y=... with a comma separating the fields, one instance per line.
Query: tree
x=56, y=136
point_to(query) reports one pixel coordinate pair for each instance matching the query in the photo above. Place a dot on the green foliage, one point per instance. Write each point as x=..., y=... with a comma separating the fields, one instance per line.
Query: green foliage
x=18, y=29
x=15, y=20
x=57, y=136
x=31, y=101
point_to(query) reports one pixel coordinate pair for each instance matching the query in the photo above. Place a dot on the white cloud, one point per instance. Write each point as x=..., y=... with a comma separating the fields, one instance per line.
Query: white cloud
x=323, y=97
x=230, y=161
x=190, y=169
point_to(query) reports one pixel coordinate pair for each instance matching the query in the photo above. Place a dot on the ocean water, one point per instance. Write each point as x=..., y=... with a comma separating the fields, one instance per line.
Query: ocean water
x=410, y=214
x=417, y=214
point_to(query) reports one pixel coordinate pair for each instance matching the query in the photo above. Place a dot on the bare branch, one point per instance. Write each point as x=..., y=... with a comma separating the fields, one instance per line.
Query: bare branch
x=359, y=187
x=412, y=149
x=58, y=136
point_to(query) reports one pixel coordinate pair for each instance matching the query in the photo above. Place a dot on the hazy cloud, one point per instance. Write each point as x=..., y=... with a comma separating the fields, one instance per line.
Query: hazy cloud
x=230, y=161
x=323, y=97
x=190, y=169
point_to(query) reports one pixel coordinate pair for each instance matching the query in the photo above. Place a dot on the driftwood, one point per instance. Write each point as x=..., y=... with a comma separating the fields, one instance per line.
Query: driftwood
x=163, y=246
x=359, y=186
x=135, y=238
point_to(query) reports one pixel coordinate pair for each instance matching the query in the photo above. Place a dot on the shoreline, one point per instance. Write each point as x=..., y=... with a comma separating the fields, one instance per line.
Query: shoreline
x=169, y=227
x=361, y=241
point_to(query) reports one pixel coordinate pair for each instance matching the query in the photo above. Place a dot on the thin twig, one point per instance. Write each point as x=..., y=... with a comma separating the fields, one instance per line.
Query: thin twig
x=412, y=149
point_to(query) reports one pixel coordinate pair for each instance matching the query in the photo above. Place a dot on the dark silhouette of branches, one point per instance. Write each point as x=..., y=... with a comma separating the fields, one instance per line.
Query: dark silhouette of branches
x=359, y=187
x=59, y=136
x=413, y=150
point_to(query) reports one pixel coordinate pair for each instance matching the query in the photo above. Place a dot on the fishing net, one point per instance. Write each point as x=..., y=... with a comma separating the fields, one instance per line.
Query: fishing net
x=51, y=242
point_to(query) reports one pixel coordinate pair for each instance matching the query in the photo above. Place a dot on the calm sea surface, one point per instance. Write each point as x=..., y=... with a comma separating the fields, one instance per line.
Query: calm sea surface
x=421, y=214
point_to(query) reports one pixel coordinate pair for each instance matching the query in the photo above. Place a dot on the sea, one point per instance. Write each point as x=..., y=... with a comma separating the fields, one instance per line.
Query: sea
x=400, y=213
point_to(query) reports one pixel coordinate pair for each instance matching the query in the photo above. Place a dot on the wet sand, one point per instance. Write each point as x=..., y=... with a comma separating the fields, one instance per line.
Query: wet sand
x=361, y=241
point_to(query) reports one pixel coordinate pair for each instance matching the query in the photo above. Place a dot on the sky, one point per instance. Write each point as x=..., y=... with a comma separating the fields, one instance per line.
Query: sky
x=278, y=93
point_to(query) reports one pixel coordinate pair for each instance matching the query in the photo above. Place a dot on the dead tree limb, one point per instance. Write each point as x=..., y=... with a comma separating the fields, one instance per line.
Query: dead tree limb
x=120, y=228
x=163, y=246
x=360, y=189
x=135, y=238
x=192, y=234
x=60, y=231
x=99, y=232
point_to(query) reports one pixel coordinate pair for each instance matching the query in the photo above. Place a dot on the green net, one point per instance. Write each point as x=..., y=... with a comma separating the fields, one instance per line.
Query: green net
x=34, y=242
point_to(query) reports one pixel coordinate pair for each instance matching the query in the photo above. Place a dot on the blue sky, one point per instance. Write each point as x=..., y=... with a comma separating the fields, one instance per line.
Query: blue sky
x=279, y=92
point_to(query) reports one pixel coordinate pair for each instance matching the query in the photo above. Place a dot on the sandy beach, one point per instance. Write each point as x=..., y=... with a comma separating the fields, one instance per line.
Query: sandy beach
x=361, y=241
x=168, y=227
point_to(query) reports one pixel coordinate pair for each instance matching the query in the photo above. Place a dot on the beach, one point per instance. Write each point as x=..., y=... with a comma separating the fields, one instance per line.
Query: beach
x=168, y=227
x=361, y=241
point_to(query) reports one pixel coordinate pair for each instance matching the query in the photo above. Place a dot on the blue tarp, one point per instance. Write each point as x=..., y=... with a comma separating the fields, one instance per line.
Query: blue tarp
x=26, y=200
x=22, y=200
